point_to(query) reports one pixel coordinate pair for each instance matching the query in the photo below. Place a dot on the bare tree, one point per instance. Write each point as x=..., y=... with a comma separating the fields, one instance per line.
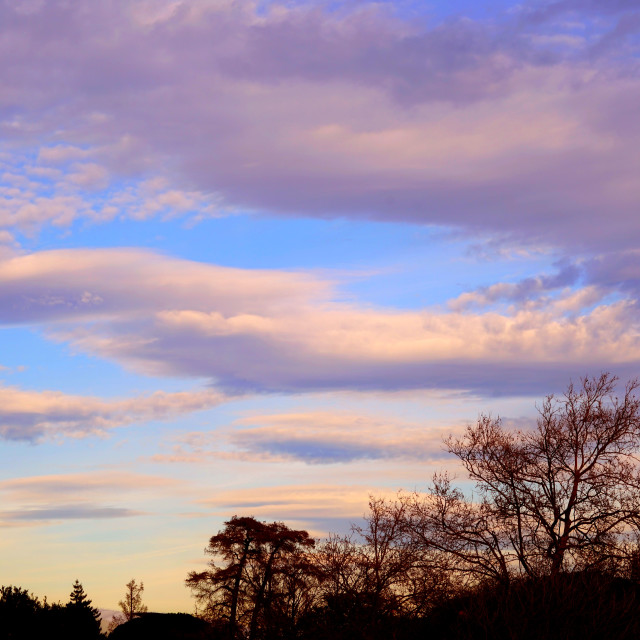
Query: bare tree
x=379, y=572
x=338, y=560
x=132, y=604
x=561, y=497
x=387, y=556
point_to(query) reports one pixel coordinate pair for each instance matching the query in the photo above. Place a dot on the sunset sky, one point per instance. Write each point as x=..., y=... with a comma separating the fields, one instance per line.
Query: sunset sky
x=259, y=258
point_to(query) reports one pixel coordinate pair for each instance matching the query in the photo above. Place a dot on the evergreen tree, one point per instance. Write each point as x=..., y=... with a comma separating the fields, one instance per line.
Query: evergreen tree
x=83, y=619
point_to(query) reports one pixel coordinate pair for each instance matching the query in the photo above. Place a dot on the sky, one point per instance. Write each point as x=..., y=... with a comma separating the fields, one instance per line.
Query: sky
x=260, y=258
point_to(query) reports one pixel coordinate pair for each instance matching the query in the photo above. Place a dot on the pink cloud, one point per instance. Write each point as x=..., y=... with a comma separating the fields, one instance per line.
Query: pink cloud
x=78, y=486
x=315, y=437
x=66, y=184
x=35, y=415
x=51, y=498
x=280, y=331
x=294, y=502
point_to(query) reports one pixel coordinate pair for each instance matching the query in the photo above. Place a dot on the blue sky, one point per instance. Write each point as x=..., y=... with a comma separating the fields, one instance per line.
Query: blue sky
x=260, y=258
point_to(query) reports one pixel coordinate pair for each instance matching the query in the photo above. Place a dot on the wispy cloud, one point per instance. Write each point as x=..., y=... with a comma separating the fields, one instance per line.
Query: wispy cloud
x=67, y=512
x=51, y=498
x=320, y=437
x=300, y=502
x=77, y=486
x=35, y=415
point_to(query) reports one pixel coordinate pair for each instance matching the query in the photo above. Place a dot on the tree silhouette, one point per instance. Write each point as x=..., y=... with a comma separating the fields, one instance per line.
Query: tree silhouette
x=83, y=620
x=132, y=605
x=260, y=562
x=78, y=598
x=20, y=613
x=377, y=581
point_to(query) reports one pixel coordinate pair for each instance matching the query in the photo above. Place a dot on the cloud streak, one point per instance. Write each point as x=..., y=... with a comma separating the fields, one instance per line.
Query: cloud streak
x=68, y=512
x=41, y=500
x=72, y=487
x=313, y=502
x=319, y=437
x=36, y=415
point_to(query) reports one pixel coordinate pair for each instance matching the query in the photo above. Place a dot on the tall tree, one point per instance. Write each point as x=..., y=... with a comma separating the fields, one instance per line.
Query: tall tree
x=387, y=555
x=254, y=556
x=131, y=605
x=560, y=497
x=83, y=620
x=280, y=554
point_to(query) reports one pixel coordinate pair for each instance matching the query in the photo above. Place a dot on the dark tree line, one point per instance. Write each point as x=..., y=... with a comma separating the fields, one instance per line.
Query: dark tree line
x=24, y=616
x=545, y=547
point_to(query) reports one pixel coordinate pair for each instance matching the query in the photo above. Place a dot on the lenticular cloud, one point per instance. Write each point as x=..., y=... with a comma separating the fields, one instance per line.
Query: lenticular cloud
x=258, y=330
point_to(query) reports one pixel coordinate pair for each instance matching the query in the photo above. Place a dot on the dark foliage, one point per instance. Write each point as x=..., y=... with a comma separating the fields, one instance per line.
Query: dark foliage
x=351, y=617
x=570, y=606
x=23, y=616
x=163, y=626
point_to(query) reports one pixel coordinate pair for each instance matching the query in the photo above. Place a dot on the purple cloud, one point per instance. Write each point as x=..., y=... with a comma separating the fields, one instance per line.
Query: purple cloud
x=522, y=291
x=68, y=512
x=470, y=125
x=559, y=7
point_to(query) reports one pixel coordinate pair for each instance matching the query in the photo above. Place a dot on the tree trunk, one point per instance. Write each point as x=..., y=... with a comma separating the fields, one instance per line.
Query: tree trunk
x=233, y=614
x=257, y=606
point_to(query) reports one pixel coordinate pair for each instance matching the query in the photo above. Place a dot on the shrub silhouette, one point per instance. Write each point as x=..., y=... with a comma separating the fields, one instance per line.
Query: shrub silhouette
x=163, y=626
x=570, y=606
